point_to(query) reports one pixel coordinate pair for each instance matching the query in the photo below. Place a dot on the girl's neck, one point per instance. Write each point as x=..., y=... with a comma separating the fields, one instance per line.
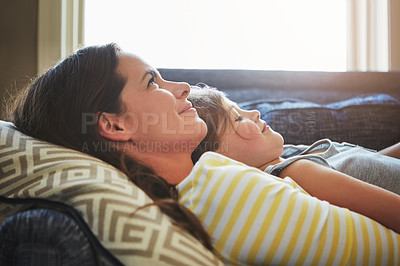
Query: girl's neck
x=273, y=162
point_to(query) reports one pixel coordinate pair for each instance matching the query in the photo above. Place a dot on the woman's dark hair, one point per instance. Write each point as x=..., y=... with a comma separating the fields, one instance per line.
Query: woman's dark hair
x=62, y=107
x=212, y=108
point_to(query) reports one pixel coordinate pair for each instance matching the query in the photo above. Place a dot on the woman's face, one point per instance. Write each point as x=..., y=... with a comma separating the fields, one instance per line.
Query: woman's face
x=249, y=139
x=156, y=112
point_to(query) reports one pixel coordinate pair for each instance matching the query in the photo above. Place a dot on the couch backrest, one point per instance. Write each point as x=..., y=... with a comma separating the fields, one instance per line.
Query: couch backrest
x=106, y=199
x=289, y=81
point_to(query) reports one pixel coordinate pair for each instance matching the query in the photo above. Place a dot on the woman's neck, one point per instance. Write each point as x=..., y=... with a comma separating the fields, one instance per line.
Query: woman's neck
x=173, y=167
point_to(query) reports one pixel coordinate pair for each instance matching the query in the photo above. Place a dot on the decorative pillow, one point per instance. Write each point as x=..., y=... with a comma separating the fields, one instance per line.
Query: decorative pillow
x=104, y=196
x=371, y=121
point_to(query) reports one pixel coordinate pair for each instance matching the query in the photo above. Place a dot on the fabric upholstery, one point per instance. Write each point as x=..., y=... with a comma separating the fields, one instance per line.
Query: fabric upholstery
x=43, y=237
x=105, y=198
x=371, y=120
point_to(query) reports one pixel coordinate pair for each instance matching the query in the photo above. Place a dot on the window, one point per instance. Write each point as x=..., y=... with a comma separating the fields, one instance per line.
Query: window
x=254, y=34
x=229, y=34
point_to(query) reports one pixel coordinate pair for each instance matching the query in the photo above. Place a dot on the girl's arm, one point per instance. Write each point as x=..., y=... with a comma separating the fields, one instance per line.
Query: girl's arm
x=345, y=191
x=392, y=151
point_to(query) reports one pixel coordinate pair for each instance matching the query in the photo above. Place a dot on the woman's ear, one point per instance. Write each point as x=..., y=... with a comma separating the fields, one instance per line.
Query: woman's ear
x=111, y=127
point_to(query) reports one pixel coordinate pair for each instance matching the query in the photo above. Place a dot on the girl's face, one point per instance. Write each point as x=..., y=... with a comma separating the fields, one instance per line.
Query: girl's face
x=156, y=112
x=249, y=139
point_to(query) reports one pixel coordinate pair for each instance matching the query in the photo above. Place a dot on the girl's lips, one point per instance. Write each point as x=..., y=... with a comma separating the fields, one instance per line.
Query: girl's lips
x=265, y=128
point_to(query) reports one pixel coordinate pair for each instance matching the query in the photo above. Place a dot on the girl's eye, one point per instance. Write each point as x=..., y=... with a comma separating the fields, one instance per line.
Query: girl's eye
x=240, y=118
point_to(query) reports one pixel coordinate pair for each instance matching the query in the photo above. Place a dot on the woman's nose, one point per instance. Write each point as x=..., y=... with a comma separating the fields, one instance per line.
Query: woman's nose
x=180, y=90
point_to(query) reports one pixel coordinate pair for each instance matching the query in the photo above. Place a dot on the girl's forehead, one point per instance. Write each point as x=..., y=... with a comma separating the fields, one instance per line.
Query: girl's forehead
x=233, y=106
x=234, y=109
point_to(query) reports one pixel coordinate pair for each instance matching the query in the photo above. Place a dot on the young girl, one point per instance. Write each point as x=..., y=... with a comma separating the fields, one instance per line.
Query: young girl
x=243, y=136
x=290, y=235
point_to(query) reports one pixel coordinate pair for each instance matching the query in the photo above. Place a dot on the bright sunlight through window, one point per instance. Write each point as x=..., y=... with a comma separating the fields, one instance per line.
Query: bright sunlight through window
x=228, y=34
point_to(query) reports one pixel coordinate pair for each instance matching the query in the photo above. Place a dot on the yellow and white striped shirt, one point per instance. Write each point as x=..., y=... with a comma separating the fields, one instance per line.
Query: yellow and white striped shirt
x=256, y=218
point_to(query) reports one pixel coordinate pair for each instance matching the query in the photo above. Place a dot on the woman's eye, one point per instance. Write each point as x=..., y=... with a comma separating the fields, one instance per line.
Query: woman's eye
x=151, y=81
x=240, y=118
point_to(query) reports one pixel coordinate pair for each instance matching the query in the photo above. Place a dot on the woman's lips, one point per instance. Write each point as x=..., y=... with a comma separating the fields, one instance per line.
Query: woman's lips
x=191, y=109
x=188, y=108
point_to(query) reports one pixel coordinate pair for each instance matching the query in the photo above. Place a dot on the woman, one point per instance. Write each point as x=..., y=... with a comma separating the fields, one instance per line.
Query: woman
x=111, y=88
x=103, y=95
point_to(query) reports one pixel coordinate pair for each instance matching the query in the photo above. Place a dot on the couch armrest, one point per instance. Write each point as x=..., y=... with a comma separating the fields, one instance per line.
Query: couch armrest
x=43, y=237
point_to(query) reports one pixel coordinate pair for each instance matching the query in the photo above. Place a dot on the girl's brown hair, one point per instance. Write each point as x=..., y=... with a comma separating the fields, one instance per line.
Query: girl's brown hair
x=212, y=108
x=62, y=107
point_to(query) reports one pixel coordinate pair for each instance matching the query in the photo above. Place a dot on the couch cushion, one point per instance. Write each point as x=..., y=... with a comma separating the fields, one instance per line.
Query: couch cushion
x=103, y=195
x=371, y=121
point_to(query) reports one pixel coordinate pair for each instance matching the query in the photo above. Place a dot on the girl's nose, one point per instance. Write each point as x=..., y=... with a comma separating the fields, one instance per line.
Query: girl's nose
x=255, y=115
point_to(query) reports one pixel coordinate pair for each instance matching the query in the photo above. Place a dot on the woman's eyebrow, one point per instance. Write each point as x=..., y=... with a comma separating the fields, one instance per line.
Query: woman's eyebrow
x=145, y=74
x=151, y=72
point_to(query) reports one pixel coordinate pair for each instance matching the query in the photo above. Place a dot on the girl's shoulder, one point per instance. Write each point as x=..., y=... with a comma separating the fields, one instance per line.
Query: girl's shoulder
x=213, y=167
x=210, y=155
x=215, y=161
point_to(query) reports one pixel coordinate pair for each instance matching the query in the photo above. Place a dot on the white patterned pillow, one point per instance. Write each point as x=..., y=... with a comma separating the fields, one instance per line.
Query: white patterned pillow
x=106, y=199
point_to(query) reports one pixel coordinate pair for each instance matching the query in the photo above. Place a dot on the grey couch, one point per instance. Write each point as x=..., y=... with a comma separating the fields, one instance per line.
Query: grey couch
x=361, y=108
x=356, y=107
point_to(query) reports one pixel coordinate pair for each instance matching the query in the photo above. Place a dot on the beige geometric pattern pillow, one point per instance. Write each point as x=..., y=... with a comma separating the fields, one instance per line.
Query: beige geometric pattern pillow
x=104, y=197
